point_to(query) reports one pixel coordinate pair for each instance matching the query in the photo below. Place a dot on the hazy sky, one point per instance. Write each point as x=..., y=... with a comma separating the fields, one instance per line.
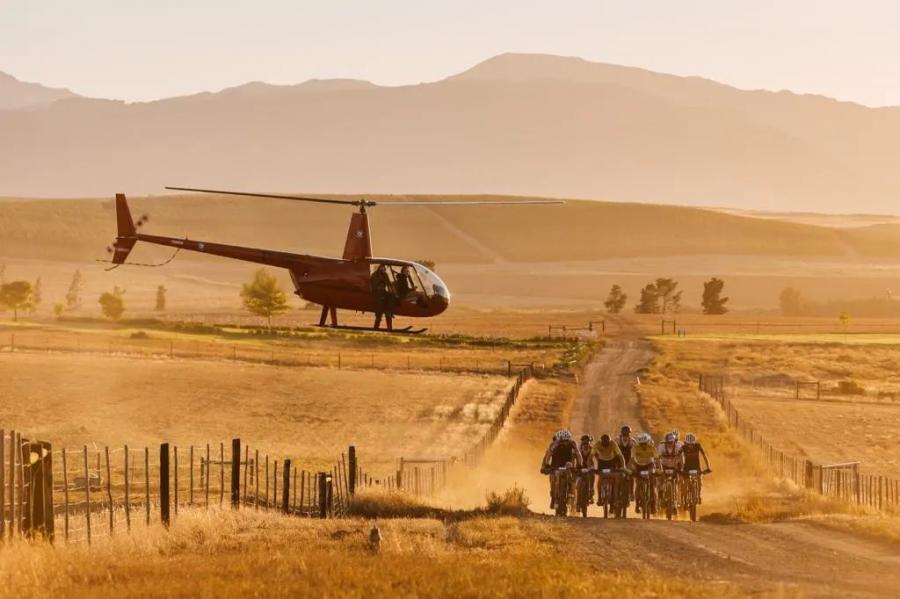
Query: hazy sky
x=141, y=49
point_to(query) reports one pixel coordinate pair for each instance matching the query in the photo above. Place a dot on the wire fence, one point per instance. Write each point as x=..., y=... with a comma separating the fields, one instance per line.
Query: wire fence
x=257, y=353
x=86, y=493
x=843, y=481
x=429, y=476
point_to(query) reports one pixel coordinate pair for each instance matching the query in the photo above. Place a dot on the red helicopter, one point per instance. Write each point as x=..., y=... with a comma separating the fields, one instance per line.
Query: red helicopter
x=345, y=283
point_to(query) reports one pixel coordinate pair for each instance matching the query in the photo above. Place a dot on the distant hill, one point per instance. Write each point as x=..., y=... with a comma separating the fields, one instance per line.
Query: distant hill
x=15, y=94
x=575, y=231
x=515, y=124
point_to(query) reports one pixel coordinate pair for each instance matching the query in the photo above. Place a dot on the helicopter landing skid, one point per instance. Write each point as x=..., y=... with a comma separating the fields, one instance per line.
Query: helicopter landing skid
x=397, y=331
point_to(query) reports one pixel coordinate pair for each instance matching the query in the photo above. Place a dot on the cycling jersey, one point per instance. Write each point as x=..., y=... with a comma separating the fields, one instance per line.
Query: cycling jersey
x=643, y=455
x=586, y=452
x=691, y=456
x=670, y=456
x=626, y=444
x=609, y=454
x=562, y=453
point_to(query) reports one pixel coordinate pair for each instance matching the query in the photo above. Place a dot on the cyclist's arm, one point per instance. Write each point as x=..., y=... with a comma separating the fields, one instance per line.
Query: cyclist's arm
x=619, y=456
x=547, y=456
x=705, y=459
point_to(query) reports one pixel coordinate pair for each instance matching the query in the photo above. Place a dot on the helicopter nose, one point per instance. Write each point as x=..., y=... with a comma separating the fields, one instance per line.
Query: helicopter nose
x=439, y=303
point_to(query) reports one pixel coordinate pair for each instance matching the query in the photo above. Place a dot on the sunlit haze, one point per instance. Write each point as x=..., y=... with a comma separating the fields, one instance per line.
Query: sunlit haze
x=148, y=50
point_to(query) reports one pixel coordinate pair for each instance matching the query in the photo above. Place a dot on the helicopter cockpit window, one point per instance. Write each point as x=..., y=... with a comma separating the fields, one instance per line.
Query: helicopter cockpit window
x=432, y=283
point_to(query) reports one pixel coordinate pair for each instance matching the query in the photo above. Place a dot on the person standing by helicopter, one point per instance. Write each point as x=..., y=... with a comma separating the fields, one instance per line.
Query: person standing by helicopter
x=383, y=294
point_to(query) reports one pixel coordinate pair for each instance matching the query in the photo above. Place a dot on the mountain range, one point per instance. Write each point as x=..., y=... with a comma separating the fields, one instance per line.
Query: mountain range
x=519, y=124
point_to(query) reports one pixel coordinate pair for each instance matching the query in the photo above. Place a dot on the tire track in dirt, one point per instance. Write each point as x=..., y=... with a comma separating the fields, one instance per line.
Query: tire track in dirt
x=791, y=556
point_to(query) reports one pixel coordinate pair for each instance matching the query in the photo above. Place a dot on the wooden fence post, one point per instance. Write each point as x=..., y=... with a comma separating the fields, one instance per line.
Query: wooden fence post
x=175, y=479
x=323, y=498
x=147, y=483
x=87, y=495
x=2, y=484
x=109, y=498
x=164, y=484
x=127, y=491
x=221, y=474
x=286, y=488
x=235, y=473
x=65, y=488
x=191, y=477
x=275, y=485
x=351, y=479
x=205, y=472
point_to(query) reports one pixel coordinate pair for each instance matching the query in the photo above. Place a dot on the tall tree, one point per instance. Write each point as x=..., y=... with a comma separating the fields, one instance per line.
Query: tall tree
x=667, y=291
x=160, y=298
x=616, y=300
x=36, y=295
x=15, y=296
x=263, y=296
x=73, y=295
x=713, y=302
x=792, y=302
x=111, y=303
x=649, y=302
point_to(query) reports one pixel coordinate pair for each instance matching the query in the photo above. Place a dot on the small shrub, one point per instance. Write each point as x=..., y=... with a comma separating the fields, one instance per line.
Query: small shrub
x=139, y=335
x=513, y=502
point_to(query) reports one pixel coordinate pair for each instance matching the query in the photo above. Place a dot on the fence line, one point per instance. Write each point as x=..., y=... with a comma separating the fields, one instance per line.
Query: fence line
x=430, y=476
x=277, y=355
x=843, y=481
x=86, y=494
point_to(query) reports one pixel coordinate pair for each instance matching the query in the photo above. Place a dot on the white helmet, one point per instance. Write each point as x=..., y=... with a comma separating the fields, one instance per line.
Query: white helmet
x=671, y=437
x=643, y=439
x=690, y=439
x=563, y=436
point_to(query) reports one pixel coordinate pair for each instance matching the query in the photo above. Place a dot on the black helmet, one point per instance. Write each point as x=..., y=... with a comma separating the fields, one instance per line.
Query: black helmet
x=626, y=430
x=604, y=440
x=587, y=439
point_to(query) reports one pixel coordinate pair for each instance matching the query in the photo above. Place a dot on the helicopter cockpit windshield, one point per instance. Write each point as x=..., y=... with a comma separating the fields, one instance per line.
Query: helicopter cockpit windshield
x=432, y=283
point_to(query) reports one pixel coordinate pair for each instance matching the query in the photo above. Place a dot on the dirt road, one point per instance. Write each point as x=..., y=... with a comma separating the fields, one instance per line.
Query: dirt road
x=797, y=557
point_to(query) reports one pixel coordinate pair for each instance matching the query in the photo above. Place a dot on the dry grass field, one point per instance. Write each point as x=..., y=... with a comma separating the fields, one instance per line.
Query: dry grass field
x=225, y=554
x=310, y=414
x=761, y=372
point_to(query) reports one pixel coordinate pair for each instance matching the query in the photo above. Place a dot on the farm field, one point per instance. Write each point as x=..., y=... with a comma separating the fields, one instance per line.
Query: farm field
x=761, y=375
x=309, y=414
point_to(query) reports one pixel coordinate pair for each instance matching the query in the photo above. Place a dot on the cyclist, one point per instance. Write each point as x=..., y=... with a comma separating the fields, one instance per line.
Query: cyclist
x=626, y=443
x=671, y=458
x=608, y=456
x=692, y=450
x=587, y=460
x=562, y=451
x=643, y=458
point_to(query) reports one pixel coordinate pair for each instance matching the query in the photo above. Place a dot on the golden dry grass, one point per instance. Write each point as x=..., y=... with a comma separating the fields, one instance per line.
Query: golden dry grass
x=760, y=381
x=742, y=487
x=228, y=554
x=310, y=414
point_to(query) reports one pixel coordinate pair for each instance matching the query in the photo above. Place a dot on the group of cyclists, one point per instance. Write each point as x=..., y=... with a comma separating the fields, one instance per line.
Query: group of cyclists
x=625, y=469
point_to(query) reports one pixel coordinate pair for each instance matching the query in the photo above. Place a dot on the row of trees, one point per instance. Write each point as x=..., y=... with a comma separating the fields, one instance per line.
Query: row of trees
x=262, y=296
x=662, y=296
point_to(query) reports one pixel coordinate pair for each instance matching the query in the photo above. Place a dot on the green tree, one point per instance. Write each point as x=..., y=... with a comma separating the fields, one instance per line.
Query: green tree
x=668, y=294
x=160, y=298
x=649, y=302
x=844, y=319
x=616, y=300
x=73, y=295
x=263, y=296
x=713, y=302
x=111, y=303
x=59, y=309
x=15, y=296
x=792, y=302
x=36, y=295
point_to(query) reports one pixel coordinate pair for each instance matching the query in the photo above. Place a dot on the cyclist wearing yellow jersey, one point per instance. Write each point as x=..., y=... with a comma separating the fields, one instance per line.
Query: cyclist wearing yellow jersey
x=643, y=459
x=608, y=455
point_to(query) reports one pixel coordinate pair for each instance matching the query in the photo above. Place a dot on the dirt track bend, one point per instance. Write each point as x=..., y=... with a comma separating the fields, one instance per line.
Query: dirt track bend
x=797, y=556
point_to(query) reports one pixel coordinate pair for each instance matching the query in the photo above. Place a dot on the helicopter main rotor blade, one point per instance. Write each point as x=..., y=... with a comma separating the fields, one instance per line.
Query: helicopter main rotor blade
x=274, y=196
x=471, y=203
